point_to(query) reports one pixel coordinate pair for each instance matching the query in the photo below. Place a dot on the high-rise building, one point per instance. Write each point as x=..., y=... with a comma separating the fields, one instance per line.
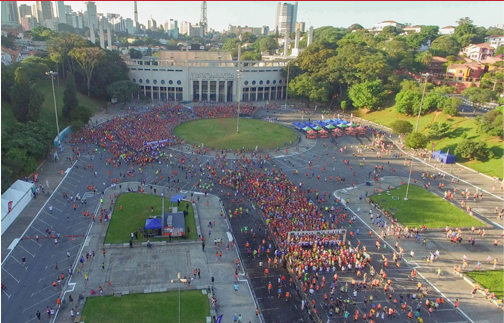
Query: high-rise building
x=35, y=12
x=300, y=26
x=75, y=20
x=172, y=28
x=10, y=14
x=61, y=10
x=28, y=22
x=44, y=12
x=91, y=15
x=24, y=10
x=286, y=16
x=152, y=24
x=185, y=28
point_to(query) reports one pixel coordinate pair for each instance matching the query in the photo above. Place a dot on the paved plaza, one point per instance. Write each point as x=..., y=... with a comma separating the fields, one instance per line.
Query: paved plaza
x=145, y=270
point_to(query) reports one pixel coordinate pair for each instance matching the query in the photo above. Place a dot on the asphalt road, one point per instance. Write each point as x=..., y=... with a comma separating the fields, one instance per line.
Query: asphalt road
x=30, y=289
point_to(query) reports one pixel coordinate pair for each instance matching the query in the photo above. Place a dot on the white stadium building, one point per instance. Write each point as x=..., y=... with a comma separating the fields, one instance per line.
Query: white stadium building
x=207, y=76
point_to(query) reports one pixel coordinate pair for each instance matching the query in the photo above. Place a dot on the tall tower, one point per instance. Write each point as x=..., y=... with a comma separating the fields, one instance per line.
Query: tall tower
x=136, y=16
x=60, y=8
x=203, y=19
x=286, y=17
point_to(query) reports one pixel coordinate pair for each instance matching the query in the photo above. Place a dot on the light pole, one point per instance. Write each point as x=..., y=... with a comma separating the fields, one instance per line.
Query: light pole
x=53, y=75
x=416, y=130
x=287, y=86
x=239, y=85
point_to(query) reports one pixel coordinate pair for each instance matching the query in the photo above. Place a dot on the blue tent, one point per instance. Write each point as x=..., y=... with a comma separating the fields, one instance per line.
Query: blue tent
x=156, y=223
x=445, y=158
x=177, y=198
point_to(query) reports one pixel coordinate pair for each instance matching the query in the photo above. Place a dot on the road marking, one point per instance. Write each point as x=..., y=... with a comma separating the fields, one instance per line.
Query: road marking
x=40, y=290
x=20, y=246
x=31, y=223
x=44, y=222
x=8, y=296
x=52, y=216
x=14, y=243
x=17, y=280
x=45, y=299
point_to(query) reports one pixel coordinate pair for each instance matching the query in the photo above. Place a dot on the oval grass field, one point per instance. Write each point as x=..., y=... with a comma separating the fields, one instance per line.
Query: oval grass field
x=221, y=133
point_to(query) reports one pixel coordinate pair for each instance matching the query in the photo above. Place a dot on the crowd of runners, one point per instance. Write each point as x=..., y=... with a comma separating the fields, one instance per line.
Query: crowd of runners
x=314, y=259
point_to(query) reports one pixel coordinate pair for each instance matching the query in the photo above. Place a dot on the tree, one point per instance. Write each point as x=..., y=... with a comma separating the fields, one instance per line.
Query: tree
x=135, y=53
x=401, y=127
x=70, y=101
x=87, y=58
x=438, y=130
x=468, y=148
x=308, y=89
x=343, y=105
x=451, y=106
x=250, y=56
x=20, y=95
x=59, y=47
x=354, y=27
x=425, y=58
x=123, y=91
x=35, y=104
x=82, y=114
x=408, y=102
x=416, y=140
x=491, y=123
x=111, y=68
x=266, y=44
x=444, y=46
x=478, y=96
x=367, y=94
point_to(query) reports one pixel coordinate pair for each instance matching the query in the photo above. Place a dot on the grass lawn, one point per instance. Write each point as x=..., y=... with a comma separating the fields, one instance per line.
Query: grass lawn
x=136, y=208
x=155, y=308
x=492, y=279
x=221, y=133
x=423, y=208
x=459, y=125
x=47, y=110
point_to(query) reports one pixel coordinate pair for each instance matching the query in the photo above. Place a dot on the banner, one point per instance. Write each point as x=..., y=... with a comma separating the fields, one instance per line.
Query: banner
x=35, y=177
x=219, y=319
x=10, y=206
x=156, y=142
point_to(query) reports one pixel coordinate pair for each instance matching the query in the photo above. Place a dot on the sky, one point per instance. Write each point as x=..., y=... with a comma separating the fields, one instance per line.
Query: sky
x=220, y=14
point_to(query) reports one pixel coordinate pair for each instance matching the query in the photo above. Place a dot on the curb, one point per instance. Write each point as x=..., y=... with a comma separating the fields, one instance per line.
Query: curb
x=468, y=280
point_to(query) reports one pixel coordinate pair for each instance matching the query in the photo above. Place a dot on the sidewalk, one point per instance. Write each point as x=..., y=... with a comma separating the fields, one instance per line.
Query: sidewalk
x=143, y=270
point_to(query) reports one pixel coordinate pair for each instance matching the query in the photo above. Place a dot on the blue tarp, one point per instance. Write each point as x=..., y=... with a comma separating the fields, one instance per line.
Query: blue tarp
x=322, y=124
x=153, y=224
x=298, y=125
x=177, y=198
x=445, y=158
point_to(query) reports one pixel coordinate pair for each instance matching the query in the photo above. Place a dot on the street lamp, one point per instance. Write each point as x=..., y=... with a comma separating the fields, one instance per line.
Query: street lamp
x=416, y=130
x=54, y=74
x=239, y=85
x=287, y=86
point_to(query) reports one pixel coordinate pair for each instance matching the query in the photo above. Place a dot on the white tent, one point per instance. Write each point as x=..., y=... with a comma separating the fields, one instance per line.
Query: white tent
x=20, y=193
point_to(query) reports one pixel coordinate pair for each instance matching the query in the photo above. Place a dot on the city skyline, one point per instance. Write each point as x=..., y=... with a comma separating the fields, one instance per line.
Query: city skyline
x=221, y=14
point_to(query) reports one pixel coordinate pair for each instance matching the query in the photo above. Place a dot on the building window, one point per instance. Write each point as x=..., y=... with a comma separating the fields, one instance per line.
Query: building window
x=267, y=82
x=274, y=81
x=134, y=80
x=155, y=81
x=140, y=81
x=280, y=82
x=147, y=81
x=253, y=82
x=170, y=82
x=179, y=81
x=162, y=81
x=246, y=83
x=261, y=82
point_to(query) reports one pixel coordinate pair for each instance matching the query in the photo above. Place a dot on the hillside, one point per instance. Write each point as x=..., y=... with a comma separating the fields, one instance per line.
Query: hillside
x=459, y=125
x=47, y=111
